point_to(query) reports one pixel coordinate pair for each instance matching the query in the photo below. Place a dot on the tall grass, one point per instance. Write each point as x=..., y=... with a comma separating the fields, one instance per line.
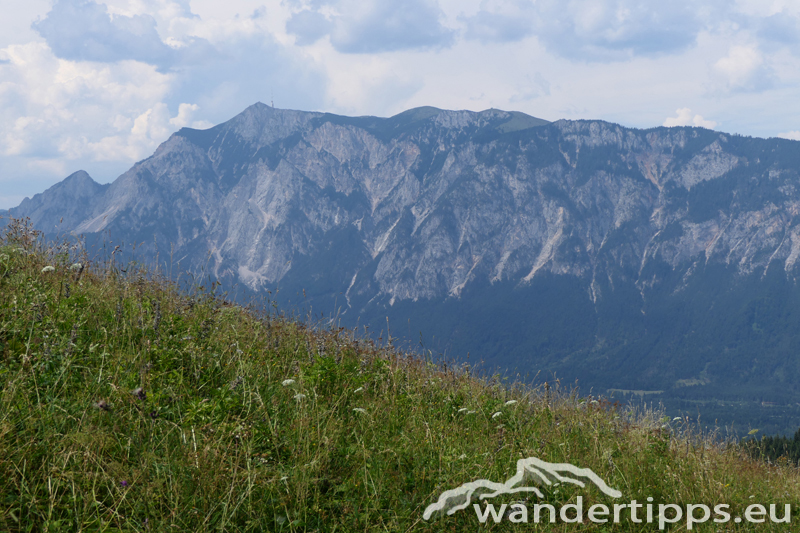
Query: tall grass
x=127, y=405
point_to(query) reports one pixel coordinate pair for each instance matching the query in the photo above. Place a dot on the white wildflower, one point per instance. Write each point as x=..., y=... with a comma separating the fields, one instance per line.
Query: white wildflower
x=76, y=266
x=287, y=382
x=498, y=413
x=48, y=268
x=299, y=396
x=359, y=410
x=511, y=402
x=470, y=412
x=677, y=418
x=462, y=409
x=358, y=390
x=462, y=456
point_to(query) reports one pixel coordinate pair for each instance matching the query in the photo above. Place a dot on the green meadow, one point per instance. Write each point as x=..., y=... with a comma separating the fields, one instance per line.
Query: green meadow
x=127, y=404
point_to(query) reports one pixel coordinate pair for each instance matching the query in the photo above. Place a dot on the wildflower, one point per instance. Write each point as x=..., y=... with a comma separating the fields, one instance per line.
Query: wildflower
x=76, y=266
x=511, y=402
x=299, y=396
x=676, y=419
x=498, y=413
x=123, y=483
x=359, y=410
x=462, y=409
x=358, y=390
x=470, y=412
x=462, y=456
x=48, y=268
x=287, y=382
x=102, y=404
x=140, y=393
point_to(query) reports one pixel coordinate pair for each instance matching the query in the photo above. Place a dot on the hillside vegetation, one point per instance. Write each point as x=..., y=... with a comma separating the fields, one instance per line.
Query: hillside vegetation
x=128, y=405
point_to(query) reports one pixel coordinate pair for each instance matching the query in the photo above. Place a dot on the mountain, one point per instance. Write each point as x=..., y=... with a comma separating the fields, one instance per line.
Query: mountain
x=660, y=263
x=65, y=203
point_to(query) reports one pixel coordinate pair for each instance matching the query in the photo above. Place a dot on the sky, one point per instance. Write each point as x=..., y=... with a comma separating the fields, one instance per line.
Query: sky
x=97, y=85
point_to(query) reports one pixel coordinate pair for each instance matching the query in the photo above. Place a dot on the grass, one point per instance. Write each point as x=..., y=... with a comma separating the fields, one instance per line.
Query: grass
x=127, y=405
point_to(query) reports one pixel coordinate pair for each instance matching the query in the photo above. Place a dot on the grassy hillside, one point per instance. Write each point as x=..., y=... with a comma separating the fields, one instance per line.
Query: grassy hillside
x=127, y=405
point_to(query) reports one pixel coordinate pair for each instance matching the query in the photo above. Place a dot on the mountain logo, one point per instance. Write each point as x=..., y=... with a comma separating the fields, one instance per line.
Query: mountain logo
x=531, y=468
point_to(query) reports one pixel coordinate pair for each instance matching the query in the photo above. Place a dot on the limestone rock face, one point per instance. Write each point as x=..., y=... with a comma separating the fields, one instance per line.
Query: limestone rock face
x=431, y=200
x=64, y=205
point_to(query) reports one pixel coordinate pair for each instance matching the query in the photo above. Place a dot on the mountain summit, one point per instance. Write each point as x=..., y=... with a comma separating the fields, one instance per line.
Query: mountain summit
x=662, y=261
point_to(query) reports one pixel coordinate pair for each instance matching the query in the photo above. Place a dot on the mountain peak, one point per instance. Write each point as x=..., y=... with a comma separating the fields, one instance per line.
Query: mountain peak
x=65, y=201
x=78, y=179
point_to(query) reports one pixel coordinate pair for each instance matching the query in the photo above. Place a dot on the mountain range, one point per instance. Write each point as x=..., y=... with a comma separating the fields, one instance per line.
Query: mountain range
x=658, y=264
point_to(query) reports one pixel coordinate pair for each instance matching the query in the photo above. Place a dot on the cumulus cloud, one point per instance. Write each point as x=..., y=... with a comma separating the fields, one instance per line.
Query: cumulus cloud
x=308, y=26
x=144, y=133
x=59, y=115
x=53, y=105
x=592, y=30
x=501, y=21
x=104, y=88
x=684, y=118
x=84, y=30
x=782, y=28
x=81, y=30
x=743, y=69
x=359, y=27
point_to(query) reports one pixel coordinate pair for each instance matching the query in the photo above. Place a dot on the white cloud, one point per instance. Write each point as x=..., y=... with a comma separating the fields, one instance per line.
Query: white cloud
x=48, y=104
x=501, y=21
x=593, y=30
x=743, y=69
x=81, y=30
x=793, y=135
x=371, y=26
x=147, y=131
x=185, y=112
x=684, y=118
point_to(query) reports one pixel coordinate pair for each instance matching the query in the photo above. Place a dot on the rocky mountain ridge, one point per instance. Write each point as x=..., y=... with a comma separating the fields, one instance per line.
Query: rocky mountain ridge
x=394, y=217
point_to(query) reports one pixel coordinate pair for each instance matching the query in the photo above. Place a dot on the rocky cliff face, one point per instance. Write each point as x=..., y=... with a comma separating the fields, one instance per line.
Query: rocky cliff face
x=388, y=216
x=438, y=198
x=63, y=206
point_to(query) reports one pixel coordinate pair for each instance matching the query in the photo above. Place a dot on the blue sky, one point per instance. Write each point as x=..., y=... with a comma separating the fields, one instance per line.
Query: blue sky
x=98, y=85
